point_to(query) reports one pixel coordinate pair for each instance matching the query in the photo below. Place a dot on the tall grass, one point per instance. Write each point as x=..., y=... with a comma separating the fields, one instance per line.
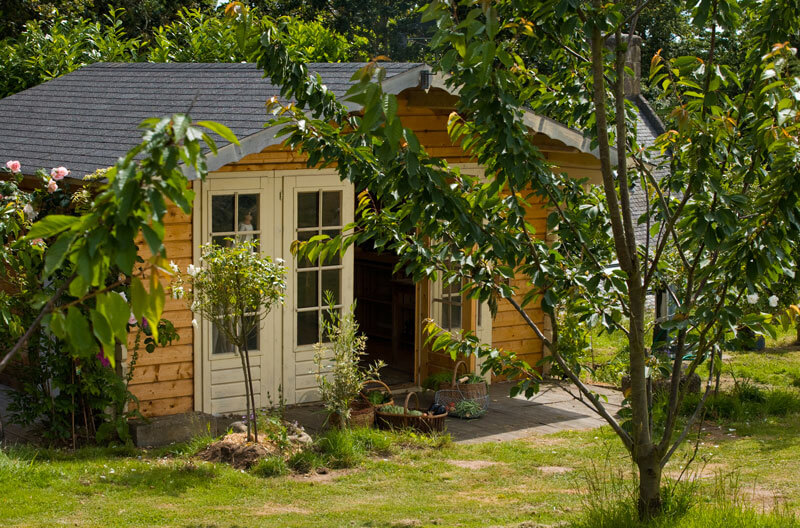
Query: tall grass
x=611, y=503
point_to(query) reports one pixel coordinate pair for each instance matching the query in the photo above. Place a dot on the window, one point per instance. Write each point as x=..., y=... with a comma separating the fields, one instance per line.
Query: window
x=447, y=305
x=234, y=217
x=318, y=213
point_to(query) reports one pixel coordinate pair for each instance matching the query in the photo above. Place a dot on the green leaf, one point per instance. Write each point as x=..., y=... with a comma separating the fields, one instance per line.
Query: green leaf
x=139, y=301
x=117, y=312
x=78, y=287
x=79, y=335
x=220, y=129
x=57, y=252
x=152, y=239
x=58, y=324
x=51, y=225
x=102, y=329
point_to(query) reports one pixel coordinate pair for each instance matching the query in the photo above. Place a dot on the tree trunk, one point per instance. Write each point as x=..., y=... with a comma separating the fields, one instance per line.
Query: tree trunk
x=249, y=381
x=649, y=486
x=246, y=391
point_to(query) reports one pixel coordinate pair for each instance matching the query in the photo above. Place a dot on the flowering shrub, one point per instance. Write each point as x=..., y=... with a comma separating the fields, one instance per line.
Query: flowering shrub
x=70, y=270
x=235, y=288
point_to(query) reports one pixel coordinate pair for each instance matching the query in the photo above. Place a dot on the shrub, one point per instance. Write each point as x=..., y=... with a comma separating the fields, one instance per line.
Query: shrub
x=373, y=441
x=274, y=466
x=745, y=402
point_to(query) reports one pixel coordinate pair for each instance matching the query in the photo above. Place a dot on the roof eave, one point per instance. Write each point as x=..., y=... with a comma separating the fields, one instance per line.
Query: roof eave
x=257, y=142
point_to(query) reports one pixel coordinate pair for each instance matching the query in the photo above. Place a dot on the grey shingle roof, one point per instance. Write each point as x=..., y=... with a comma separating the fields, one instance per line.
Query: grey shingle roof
x=87, y=119
x=648, y=128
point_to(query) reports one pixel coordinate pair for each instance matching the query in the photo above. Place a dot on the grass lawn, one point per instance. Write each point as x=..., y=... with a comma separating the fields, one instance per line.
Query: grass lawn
x=542, y=479
x=777, y=365
x=539, y=481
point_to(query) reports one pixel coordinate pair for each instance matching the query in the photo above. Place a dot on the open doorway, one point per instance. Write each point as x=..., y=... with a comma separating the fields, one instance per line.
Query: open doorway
x=385, y=313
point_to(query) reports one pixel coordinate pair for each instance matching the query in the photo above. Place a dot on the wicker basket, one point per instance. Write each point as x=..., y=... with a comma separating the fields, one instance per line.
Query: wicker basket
x=362, y=414
x=387, y=390
x=450, y=397
x=469, y=390
x=423, y=424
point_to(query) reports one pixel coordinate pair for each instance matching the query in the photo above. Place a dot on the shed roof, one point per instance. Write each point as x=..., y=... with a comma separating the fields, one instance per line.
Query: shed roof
x=87, y=119
x=648, y=128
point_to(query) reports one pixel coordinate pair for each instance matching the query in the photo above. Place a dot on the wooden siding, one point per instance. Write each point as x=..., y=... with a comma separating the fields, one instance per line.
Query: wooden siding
x=163, y=380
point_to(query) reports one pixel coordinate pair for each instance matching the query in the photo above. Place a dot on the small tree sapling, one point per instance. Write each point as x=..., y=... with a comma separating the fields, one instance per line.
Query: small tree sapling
x=234, y=289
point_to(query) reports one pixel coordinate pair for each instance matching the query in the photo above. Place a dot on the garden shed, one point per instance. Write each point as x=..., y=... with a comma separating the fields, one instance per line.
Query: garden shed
x=262, y=191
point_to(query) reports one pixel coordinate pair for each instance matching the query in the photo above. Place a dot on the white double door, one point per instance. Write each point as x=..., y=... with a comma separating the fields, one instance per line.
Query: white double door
x=275, y=208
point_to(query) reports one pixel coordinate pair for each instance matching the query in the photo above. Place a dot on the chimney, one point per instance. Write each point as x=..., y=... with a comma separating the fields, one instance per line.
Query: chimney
x=633, y=60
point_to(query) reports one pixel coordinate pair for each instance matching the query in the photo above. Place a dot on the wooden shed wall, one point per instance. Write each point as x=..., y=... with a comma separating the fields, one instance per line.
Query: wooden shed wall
x=163, y=381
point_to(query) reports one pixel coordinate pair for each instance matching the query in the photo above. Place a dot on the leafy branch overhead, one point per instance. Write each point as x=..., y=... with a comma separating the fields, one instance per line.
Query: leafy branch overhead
x=721, y=223
x=97, y=251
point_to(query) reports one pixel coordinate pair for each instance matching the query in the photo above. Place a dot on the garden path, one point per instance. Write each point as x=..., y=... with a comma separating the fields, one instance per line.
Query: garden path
x=551, y=410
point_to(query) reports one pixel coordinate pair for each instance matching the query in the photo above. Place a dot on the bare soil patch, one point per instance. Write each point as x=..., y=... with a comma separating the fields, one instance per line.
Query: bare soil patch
x=235, y=450
x=271, y=508
x=473, y=464
x=697, y=472
x=322, y=476
x=554, y=470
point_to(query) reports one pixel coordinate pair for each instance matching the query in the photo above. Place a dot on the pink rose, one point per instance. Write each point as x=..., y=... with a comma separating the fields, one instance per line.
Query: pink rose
x=52, y=186
x=37, y=241
x=13, y=165
x=59, y=173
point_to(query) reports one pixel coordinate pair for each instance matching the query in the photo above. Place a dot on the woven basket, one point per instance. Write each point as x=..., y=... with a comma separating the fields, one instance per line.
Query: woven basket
x=387, y=390
x=471, y=391
x=449, y=398
x=424, y=424
x=362, y=414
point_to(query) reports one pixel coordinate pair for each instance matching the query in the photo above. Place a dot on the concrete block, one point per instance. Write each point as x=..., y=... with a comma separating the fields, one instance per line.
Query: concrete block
x=164, y=430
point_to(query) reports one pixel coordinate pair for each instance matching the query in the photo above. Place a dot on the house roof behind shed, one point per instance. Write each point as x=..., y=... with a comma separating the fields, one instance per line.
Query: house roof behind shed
x=87, y=119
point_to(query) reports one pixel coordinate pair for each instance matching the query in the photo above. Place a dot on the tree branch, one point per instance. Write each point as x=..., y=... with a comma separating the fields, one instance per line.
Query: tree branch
x=598, y=407
x=46, y=309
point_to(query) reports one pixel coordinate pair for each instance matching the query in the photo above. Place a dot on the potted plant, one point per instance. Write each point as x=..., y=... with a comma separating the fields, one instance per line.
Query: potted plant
x=340, y=375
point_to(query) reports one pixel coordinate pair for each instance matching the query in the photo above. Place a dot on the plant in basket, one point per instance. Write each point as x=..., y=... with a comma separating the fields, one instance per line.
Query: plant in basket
x=376, y=393
x=340, y=375
x=392, y=416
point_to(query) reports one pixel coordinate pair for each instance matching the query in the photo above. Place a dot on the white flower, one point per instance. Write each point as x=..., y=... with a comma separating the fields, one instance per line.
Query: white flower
x=122, y=294
x=132, y=319
x=280, y=261
x=29, y=212
x=177, y=292
x=174, y=267
x=752, y=298
x=194, y=323
x=192, y=270
x=773, y=301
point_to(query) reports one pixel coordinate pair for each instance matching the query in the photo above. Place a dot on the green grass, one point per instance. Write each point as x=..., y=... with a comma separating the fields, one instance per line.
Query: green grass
x=745, y=475
x=400, y=480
